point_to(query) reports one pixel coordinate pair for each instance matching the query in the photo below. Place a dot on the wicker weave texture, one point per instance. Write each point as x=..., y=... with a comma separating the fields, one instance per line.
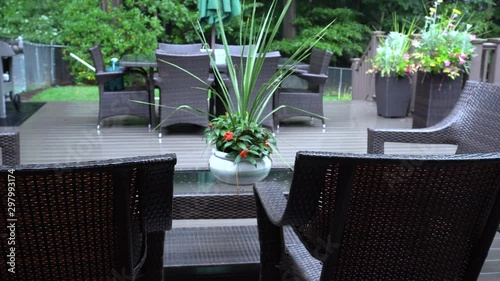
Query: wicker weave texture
x=9, y=143
x=179, y=88
x=114, y=103
x=310, y=99
x=473, y=125
x=85, y=221
x=388, y=217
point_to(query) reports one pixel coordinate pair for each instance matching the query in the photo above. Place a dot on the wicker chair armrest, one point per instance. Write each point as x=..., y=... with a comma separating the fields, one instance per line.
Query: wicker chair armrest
x=273, y=201
x=431, y=135
x=317, y=79
x=103, y=77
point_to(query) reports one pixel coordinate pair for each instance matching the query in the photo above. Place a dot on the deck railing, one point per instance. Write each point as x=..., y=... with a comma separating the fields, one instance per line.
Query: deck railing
x=485, y=66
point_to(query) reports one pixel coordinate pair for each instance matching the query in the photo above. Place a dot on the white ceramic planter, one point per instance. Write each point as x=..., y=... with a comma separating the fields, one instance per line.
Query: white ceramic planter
x=242, y=173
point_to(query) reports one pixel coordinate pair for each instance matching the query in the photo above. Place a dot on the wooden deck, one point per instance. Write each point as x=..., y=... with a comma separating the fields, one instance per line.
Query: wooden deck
x=63, y=132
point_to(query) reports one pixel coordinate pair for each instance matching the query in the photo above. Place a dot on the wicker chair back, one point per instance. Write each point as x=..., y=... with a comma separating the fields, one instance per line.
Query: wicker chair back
x=377, y=217
x=87, y=221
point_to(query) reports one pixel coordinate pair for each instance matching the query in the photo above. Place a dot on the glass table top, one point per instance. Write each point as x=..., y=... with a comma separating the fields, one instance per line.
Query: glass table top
x=203, y=182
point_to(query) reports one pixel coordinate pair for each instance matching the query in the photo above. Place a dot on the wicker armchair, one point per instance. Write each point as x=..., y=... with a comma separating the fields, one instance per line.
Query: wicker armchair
x=101, y=220
x=180, y=88
x=113, y=101
x=268, y=70
x=180, y=48
x=377, y=217
x=473, y=125
x=310, y=99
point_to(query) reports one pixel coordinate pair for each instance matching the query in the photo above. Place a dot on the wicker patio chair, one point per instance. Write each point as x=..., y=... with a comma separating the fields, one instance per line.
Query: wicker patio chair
x=269, y=68
x=9, y=143
x=310, y=99
x=100, y=220
x=114, y=101
x=180, y=48
x=177, y=88
x=473, y=125
x=378, y=217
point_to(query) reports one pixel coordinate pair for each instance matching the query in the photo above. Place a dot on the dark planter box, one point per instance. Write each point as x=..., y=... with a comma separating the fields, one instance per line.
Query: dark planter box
x=393, y=96
x=435, y=97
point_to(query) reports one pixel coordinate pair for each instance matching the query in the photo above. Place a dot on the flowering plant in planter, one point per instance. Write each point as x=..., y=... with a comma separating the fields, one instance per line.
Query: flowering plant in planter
x=445, y=43
x=250, y=141
x=393, y=56
x=239, y=132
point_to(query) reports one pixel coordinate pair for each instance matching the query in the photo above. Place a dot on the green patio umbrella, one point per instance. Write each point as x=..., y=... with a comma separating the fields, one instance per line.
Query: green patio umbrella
x=208, y=12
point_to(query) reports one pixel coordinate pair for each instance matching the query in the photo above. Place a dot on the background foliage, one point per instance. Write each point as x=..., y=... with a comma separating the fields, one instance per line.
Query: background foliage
x=137, y=25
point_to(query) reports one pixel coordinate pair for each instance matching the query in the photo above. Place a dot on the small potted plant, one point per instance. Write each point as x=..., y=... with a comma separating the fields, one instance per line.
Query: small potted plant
x=242, y=146
x=394, y=69
x=442, y=54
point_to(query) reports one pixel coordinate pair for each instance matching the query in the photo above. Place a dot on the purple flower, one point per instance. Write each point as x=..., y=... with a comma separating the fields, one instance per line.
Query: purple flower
x=406, y=56
x=461, y=60
x=447, y=63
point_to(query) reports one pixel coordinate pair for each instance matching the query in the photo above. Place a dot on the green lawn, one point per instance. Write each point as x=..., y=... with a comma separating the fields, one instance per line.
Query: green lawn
x=68, y=93
x=71, y=93
x=91, y=93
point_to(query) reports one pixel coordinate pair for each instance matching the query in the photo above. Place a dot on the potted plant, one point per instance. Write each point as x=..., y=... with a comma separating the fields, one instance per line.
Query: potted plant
x=394, y=69
x=442, y=54
x=242, y=146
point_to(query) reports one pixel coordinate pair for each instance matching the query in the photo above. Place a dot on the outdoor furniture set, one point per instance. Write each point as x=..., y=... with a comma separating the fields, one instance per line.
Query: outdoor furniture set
x=344, y=216
x=180, y=88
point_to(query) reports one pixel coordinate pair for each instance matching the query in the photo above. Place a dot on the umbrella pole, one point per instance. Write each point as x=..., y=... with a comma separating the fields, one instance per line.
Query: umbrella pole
x=212, y=42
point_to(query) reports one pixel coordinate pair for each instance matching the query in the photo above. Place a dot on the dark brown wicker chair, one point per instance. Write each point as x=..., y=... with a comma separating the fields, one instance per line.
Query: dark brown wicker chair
x=311, y=99
x=473, y=125
x=101, y=220
x=268, y=70
x=179, y=88
x=180, y=48
x=378, y=217
x=114, y=102
x=9, y=143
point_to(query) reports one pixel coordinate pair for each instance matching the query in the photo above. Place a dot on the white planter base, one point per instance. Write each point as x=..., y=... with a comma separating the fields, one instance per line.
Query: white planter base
x=243, y=173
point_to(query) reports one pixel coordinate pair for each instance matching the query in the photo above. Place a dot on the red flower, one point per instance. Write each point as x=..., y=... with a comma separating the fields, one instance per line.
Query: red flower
x=266, y=143
x=210, y=125
x=244, y=153
x=228, y=136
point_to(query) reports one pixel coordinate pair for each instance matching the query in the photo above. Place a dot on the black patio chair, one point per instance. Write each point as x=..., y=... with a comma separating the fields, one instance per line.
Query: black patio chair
x=100, y=220
x=116, y=98
x=378, y=217
x=178, y=87
x=310, y=100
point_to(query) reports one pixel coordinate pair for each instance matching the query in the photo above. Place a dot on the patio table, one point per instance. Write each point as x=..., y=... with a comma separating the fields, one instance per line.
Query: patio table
x=198, y=195
x=141, y=61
